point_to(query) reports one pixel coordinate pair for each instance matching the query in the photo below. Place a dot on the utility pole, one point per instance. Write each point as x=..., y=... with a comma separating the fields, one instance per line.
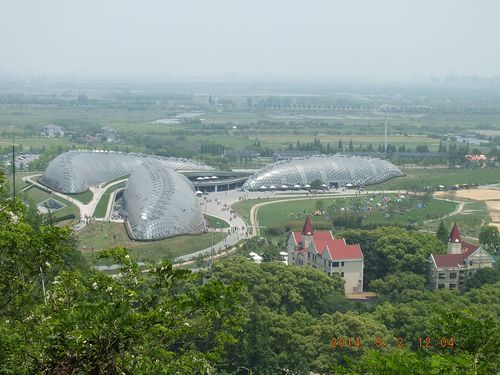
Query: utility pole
x=211, y=255
x=13, y=171
x=385, y=134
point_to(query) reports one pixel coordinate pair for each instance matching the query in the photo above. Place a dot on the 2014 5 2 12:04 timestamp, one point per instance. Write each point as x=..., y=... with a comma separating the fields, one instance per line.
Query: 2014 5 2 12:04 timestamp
x=356, y=342
x=436, y=342
x=396, y=342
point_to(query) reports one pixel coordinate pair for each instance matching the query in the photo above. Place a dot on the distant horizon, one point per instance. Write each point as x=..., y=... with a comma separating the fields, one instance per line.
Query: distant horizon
x=243, y=78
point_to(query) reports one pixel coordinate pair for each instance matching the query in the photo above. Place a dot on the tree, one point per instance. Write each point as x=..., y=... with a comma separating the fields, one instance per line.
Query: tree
x=351, y=146
x=134, y=323
x=340, y=146
x=400, y=286
x=388, y=250
x=316, y=184
x=489, y=237
x=442, y=232
x=483, y=276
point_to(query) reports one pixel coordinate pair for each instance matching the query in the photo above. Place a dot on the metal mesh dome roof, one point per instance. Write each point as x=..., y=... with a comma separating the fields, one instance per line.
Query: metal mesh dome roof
x=342, y=169
x=160, y=203
x=75, y=171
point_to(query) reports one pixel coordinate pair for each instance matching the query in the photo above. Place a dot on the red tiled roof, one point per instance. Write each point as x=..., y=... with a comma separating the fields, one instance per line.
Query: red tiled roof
x=455, y=234
x=454, y=260
x=308, y=227
x=323, y=240
x=468, y=247
x=338, y=249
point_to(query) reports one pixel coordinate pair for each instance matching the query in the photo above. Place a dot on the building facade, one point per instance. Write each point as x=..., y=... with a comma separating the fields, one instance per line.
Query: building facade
x=460, y=263
x=320, y=250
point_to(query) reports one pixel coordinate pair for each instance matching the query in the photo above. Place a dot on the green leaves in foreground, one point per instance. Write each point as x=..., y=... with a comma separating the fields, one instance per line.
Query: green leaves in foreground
x=160, y=322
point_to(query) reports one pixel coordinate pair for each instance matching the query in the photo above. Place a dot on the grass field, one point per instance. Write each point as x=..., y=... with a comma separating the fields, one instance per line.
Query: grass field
x=470, y=220
x=38, y=196
x=35, y=142
x=102, y=235
x=215, y=222
x=279, y=214
x=102, y=205
x=243, y=207
x=20, y=184
x=84, y=197
x=418, y=178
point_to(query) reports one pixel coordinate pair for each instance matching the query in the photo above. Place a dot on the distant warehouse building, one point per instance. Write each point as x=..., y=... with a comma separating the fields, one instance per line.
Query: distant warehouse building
x=320, y=250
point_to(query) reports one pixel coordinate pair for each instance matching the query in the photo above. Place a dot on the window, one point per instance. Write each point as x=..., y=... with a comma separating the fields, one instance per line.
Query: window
x=342, y=264
x=442, y=276
x=453, y=275
x=440, y=286
x=324, y=262
x=335, y=264
x=453, y=286
x=342, y=274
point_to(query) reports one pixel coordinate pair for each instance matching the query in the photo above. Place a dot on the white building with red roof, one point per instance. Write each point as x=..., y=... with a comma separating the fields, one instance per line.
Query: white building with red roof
x=319, y=249
x=451, y=270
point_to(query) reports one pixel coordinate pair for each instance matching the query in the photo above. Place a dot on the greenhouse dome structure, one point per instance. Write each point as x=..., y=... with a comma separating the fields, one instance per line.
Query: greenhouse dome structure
x=337, y=170
x=75, y=171
x=160, y=203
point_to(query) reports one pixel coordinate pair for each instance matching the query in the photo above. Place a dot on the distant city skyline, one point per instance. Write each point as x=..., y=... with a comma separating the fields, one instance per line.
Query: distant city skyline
x=387, y=40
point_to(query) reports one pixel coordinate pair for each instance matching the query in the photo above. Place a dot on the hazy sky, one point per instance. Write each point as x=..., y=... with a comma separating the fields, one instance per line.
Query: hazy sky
x=383, y=39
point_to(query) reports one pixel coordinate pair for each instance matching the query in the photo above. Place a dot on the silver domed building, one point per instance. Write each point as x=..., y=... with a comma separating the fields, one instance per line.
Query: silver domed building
x=340, y=170
x=160, y=203
x=75, y=171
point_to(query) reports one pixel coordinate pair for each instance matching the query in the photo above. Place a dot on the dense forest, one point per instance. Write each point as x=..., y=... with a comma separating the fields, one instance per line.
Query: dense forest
x=59, y=316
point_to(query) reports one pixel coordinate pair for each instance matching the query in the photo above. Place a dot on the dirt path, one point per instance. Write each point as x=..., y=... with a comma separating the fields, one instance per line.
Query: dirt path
x=489, y=195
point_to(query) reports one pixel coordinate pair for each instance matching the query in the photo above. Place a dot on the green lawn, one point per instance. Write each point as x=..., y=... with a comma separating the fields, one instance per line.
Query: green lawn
x=294, y=212
x=84, y=197
x=470, y=220
x=37, y=196
x=435, y=209
x=243, y=207
x=102, y=235
x=102, y=205
x=418, y=178
x=216, y=222
x=20, y=184
x=277, y=214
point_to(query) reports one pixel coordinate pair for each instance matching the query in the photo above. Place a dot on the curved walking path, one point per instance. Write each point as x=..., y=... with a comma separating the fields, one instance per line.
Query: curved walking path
x=458, y=209
x=86, y=210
